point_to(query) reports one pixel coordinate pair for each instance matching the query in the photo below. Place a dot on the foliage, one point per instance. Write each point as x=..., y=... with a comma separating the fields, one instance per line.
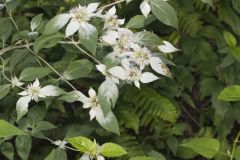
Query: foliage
x=119, y=79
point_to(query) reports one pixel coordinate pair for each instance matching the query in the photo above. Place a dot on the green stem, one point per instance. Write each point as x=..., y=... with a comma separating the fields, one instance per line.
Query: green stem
x=53, y=69
x=234, y=146
x=79, y=48
x=9, y=48
x=111, y=4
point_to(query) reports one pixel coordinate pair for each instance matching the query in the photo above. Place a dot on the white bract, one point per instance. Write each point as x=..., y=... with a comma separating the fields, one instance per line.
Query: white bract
x=92, y=102
x=121, y=41
x=60, y=144
x=103, y=69
x=34, y=92
x=167, y=47
x=146, y=8
x=79, y=18
x=96, y=155
x=132, y=74
x=111, y=20
x=143, y=57
x=16, y=82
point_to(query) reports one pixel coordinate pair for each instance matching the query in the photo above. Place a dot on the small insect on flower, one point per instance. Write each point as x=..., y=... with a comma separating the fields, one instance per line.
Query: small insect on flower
x=111, y=20
x=34, y=92
x=93, y=103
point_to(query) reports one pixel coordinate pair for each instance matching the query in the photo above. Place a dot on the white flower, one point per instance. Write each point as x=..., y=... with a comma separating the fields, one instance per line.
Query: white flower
x=132, y=74
x=143, y=57
x=60, y=144
x=111, y=20
x=34, y=92
x=103, y=69
x=93, y=103
x=16, y=82
x=121, y=41
x=79, y=18
x=93, y=155
x=167, y=47
x=145, y=8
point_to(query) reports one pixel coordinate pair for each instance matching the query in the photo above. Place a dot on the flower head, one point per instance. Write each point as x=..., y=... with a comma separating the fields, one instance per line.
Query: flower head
x=111, y=20
x=16, y=82
x=103, y=69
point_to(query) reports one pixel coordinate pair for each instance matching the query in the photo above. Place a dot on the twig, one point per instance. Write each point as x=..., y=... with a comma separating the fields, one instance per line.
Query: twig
x=111, y=4
x=14, y=47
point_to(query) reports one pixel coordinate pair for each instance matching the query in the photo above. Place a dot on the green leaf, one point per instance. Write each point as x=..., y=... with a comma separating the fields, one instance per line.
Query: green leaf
x=230, y=39
x=147, y=38
x=88, y=37
x=23, y=146
x=36, y=21
x=143, y=158
x=78, y=69
x=57, y=154
x=112, y=150
x=4, y=90
x=56, y=23
x=107, y=95
x=7, y=150
x=207, y=147
x=108, y=122
x=8, y=130
x=136, y=22
x=47, y=41
x=164, y=12
x=31, y=73
x=231, y=93
x=83, y=144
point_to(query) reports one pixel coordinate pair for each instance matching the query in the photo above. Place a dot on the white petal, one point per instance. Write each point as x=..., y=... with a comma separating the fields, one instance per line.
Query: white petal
x=85, y=157
x=93, y=113
x=137, y=84
x=72, y=28
x=50, y=90
x=159, y=67
x=112, y=11
x=167, y=47
x=22, y=106
x=36, y=83
x=23, y=93
x=92, y=92
x=121, y=21
x=110, y=37
x=92, y=7
x=86, y=30
x=148, y=77
x=145, y=8
x=118, y=72
x=82, y=98
x=99, y=157
x=86, y=105
x=101, y=68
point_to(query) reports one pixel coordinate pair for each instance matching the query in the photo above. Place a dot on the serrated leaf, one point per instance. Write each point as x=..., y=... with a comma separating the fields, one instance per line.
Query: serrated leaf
x=231, y=93
x=47, y=41
x=31, y=73
x=112, y=150
x=4, y=90
x=36, y=21
x=164, y=12
x=9, y=130
x=207, y=147
x=83, y=144
x=56, y=23
x=88, y=36
x=23, y=146
x=147, y=38
x=136, y=22
x=78, y=69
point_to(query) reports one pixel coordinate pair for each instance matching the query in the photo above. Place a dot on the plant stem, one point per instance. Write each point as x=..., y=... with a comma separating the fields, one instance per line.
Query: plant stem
x=111, y=4
x=79, y=48
x=234, y=146
x=53, y=69
x=14, y=47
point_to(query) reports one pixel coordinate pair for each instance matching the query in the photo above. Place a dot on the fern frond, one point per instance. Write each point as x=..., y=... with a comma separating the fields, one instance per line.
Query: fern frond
x=151, y=106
